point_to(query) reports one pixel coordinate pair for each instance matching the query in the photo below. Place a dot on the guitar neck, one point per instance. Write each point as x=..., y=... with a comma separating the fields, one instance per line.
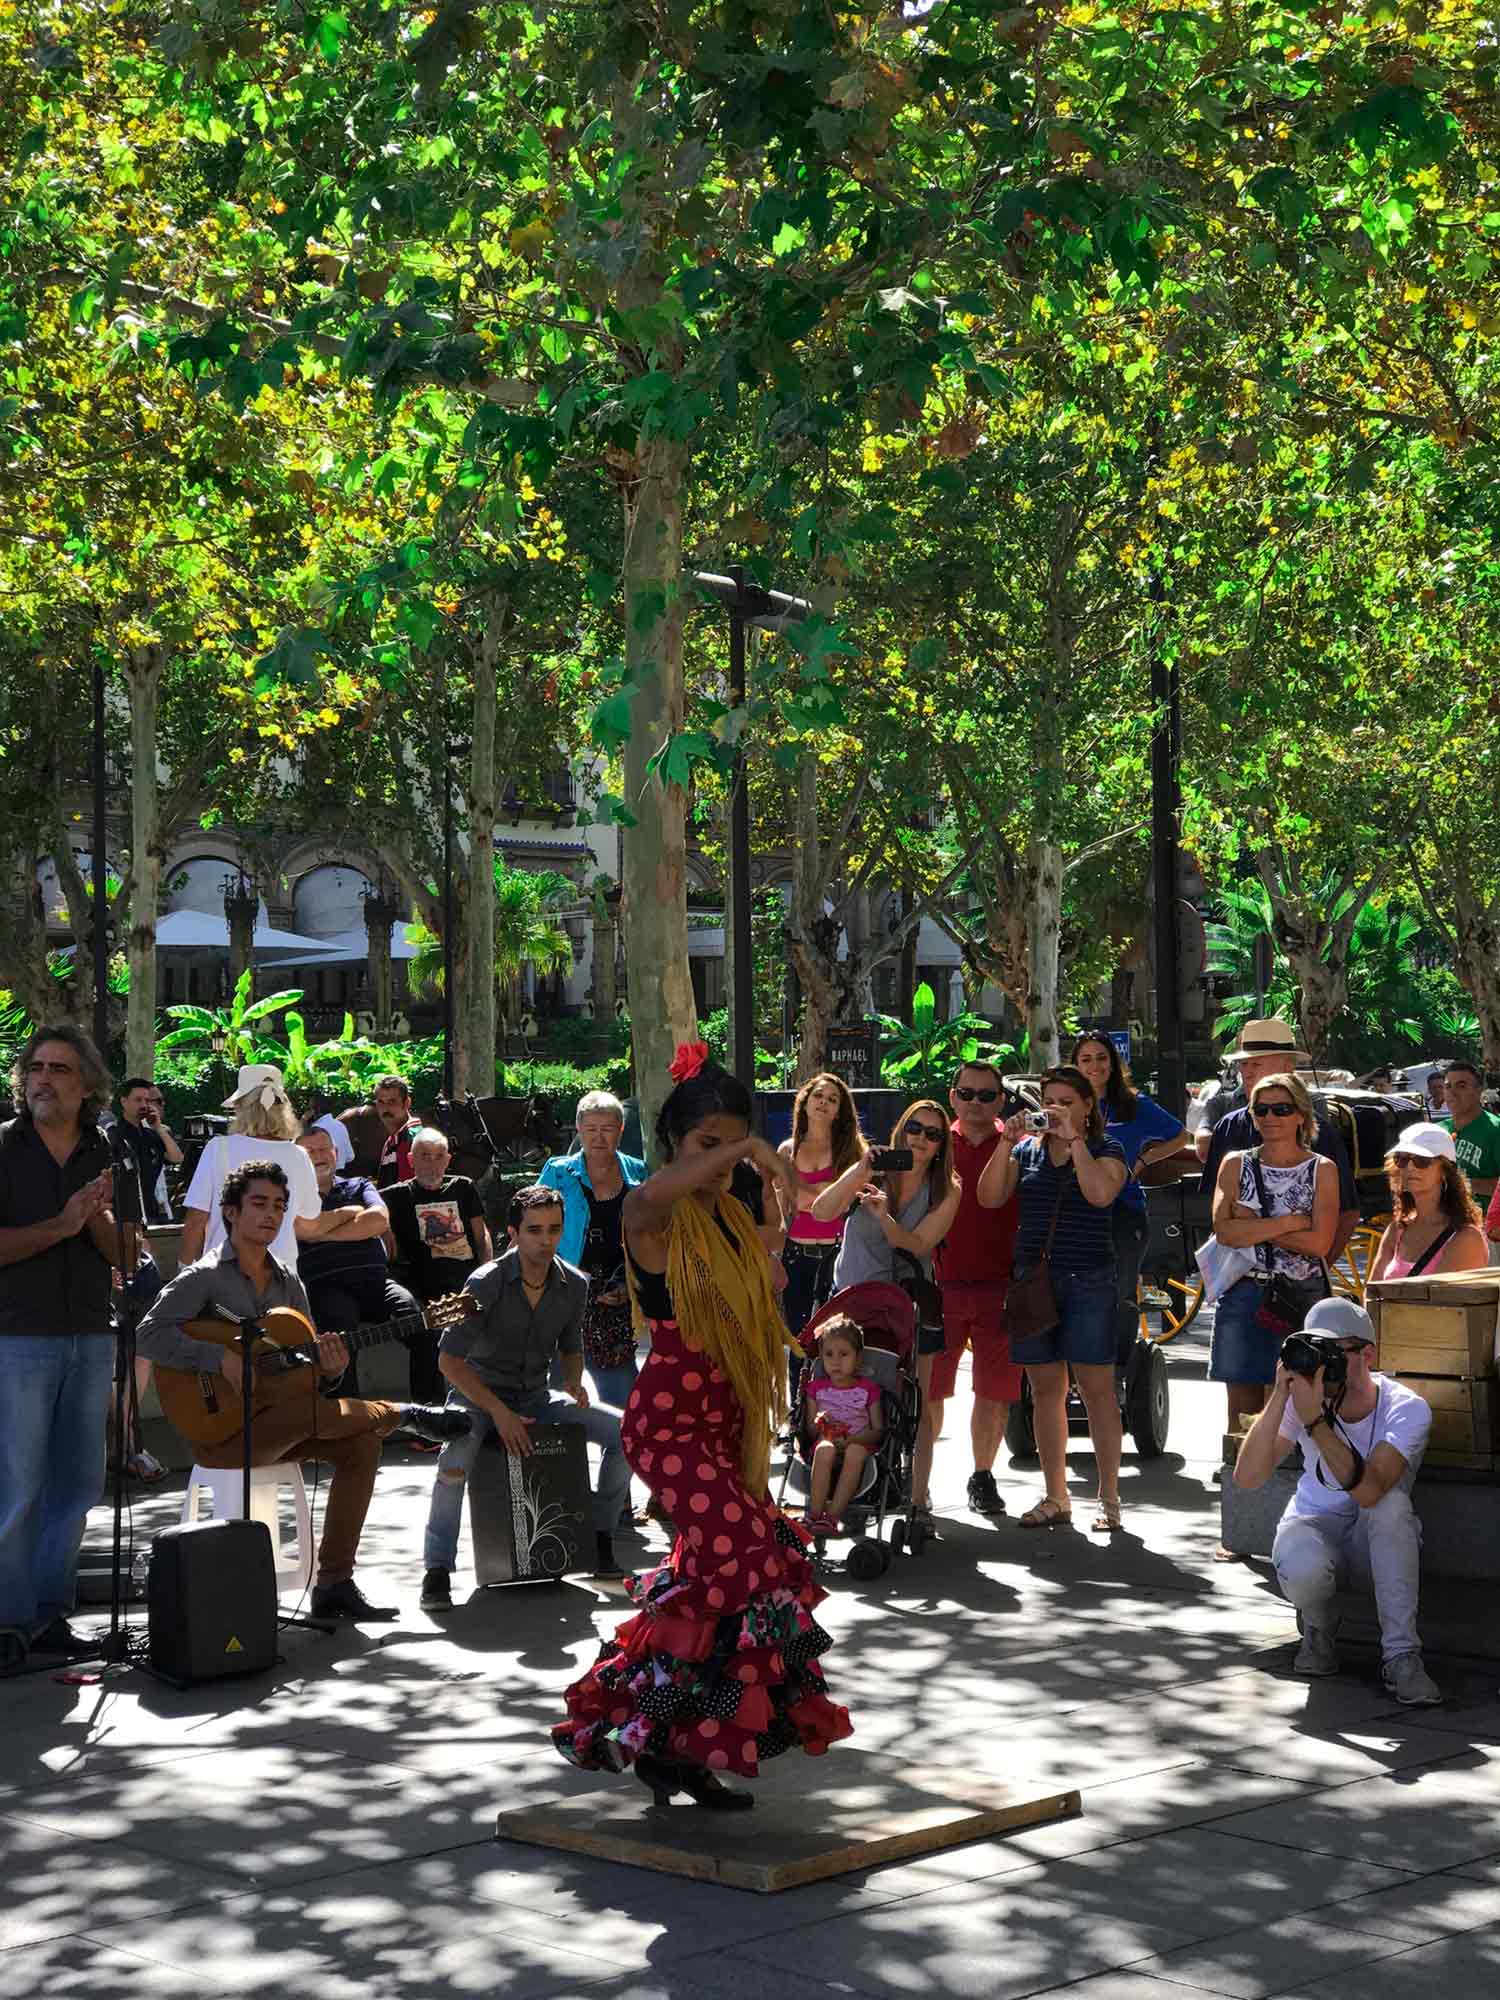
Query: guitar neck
x=362, y=1337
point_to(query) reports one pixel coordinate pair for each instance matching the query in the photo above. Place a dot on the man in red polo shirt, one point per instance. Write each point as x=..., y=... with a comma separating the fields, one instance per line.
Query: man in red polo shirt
x=973, y=1270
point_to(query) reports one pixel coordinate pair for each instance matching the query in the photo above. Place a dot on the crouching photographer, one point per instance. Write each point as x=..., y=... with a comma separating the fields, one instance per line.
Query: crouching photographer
x=1362, y=1437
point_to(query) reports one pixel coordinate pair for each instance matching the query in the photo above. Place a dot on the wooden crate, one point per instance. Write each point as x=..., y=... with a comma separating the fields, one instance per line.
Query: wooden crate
x=1438, y=1326
x=1465, y=1413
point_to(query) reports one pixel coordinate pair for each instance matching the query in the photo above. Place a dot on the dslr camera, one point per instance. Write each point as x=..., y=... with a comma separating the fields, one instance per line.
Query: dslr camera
x=1305, y=1353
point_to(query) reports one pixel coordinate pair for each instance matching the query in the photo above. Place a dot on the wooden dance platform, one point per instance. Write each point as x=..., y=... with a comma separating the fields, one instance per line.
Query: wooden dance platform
x=813, y=1818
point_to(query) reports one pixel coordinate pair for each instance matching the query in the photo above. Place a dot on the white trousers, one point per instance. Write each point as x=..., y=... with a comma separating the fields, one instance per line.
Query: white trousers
x=1379, y=1550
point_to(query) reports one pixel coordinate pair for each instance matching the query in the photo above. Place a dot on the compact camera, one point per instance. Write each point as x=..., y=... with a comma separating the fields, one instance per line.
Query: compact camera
x=1305, y=1353
x=1038, y=1121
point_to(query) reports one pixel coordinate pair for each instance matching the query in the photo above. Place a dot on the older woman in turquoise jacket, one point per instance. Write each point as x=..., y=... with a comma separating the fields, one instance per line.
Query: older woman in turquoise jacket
x=593, y=1183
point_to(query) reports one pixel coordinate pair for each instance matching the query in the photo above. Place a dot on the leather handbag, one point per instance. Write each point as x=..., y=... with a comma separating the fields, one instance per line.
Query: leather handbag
x=1031, y=1303
x=1285, y=1301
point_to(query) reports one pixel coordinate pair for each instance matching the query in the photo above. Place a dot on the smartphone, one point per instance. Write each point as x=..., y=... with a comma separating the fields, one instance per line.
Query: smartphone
x=891, y=1159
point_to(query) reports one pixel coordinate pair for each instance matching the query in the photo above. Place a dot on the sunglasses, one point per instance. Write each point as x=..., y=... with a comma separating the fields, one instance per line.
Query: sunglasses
x=966, y=1096
x=1413, y=1160
x=914, y=1128
x=1273, y=1108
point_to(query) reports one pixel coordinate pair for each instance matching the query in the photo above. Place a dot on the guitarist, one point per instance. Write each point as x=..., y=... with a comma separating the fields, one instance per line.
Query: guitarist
x=241, y=1280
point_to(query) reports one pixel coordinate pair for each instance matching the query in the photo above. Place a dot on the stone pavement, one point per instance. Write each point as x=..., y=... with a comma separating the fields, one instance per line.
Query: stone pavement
x=327, y=1828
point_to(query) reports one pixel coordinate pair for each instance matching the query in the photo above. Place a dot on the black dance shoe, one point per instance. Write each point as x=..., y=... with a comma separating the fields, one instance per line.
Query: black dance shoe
x=664, y=1779
x=437, y=1423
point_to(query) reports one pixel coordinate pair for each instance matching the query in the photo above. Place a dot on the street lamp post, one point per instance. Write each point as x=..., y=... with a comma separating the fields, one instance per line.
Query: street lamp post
x=447, y=919
x=100, y=926
x=1166, y=801
x=769, y=610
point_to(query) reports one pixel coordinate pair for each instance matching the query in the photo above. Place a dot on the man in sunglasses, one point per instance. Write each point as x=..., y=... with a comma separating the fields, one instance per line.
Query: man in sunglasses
x=973, y=1271
x=1269, y=1048
x=1351, y=1515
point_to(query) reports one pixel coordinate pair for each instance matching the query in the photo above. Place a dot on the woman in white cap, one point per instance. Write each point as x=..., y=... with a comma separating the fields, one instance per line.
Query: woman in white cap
x=1435, y=1224
x=262, y=1126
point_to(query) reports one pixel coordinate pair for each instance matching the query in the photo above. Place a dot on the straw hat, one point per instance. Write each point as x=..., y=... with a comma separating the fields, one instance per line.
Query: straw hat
x=1267, y=1038
x=262, y=1080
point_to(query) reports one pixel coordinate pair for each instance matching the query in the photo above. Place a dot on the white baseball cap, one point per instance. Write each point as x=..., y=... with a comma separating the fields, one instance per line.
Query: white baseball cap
x=1427, y=1141
x=1343, y=1318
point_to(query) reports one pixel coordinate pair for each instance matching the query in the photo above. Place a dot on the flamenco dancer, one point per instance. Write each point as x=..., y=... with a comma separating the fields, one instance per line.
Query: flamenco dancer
x=719, y=1667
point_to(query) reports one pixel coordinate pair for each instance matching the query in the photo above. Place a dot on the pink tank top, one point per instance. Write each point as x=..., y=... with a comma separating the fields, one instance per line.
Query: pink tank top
x=806, y=1228
x=1430, y=1260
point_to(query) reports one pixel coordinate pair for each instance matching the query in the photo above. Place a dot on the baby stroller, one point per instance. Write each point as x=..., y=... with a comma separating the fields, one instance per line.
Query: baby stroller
x=887, y=1317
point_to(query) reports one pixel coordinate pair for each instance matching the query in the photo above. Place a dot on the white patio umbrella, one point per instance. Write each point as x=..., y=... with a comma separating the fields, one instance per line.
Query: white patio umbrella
x=199, y=930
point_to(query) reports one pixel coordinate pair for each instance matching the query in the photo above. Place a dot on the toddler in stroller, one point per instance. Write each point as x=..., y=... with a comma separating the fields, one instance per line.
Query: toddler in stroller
x=878, y=1483
x=841, y=1423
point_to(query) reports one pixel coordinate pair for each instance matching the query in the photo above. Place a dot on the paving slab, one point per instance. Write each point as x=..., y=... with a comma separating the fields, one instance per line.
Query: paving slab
x=53, y=1888
x=1426, y=1818
x=1417, y=1912
x=1273, y=1958
x=1466, y=1967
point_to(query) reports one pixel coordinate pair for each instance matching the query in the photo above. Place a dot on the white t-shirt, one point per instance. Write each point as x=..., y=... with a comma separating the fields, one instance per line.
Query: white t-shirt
x=1400, y=1418
x=343, y=1145
x=232, y=1150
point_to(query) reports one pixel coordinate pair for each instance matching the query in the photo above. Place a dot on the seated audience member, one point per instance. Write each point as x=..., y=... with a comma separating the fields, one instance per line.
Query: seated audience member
x=437, y=1220
x=346, y=1271
x=1434, y=1222
x=1351, y=1516
x=498, y=1364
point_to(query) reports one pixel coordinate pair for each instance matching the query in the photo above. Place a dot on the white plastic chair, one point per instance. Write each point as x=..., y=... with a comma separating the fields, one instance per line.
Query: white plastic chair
x=224, y=1487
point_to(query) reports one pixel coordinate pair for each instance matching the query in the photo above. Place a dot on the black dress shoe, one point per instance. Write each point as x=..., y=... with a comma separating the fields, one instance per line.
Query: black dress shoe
x=438, y=1423
x=348, y=1602
x=60, y=1639
x=663, y=1779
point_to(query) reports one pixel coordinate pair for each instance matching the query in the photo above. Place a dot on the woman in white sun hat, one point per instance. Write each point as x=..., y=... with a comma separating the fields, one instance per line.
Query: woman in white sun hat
x=1435, y=1224
x=262, y=1126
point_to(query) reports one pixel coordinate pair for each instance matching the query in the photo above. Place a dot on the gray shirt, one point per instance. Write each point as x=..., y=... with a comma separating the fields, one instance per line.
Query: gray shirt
x=213, y=1288
x=509, y=1343
x=865, y=1255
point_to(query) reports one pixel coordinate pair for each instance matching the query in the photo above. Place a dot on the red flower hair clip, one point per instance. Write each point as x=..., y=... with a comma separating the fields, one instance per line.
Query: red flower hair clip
x=689, y=1059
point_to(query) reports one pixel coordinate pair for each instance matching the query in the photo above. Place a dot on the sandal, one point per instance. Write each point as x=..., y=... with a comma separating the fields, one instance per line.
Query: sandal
x=1048, y=1513
x=1107, y=1521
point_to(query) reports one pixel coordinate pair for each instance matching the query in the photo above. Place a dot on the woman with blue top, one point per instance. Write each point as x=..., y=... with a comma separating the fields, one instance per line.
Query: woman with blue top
x=593, y=1183
x=1144, y=1132
x=1067, y=1180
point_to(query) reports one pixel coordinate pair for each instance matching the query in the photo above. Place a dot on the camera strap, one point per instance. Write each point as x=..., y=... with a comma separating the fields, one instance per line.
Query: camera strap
x=1331, y=1416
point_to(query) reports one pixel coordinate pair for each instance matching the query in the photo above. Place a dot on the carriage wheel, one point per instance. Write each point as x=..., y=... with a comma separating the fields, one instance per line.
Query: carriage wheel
x=1177, y=1303
x=1351, y=1273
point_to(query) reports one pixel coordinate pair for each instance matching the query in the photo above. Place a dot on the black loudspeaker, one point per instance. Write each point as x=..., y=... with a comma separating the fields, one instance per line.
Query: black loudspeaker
x=211, y=1601
x=530, y=1516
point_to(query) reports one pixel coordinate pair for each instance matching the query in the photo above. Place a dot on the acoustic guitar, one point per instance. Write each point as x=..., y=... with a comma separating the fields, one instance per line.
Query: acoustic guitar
x=204, y=1410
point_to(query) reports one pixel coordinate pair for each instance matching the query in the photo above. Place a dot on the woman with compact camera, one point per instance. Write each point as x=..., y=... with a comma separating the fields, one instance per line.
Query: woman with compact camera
x=1067, y=1178
x=1279, y=1200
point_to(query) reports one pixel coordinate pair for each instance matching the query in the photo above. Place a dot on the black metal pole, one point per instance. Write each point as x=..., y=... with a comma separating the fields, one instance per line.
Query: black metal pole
x=447, y=922
x=742, y=1000
x=100, y=931
x=1171, y=1065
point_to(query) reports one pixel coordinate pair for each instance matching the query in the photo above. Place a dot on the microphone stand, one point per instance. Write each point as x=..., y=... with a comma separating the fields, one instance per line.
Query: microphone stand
x=125, y=1195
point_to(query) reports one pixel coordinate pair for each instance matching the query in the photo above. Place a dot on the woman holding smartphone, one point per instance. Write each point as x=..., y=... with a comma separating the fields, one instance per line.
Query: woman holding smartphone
x=896, y=1219
x=1067, y=1179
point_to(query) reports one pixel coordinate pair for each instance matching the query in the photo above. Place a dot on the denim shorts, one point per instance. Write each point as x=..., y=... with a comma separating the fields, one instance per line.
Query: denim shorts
x=1085, y=1331
x=1242, y=1351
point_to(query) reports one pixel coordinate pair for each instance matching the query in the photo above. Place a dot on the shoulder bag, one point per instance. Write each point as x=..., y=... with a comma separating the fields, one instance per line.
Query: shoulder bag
x=1285, y=1301
x=1031, y=1303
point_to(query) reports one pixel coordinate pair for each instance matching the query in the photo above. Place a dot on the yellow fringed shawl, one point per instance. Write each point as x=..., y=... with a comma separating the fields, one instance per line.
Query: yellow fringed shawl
x=720, y=1281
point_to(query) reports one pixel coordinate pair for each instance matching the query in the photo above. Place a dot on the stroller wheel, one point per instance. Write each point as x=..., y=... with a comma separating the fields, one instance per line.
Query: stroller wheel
x=898, y=1537
x=866, y=1560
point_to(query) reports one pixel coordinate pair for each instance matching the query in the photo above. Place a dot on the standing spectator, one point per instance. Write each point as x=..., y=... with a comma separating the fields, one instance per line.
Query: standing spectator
x=437, y=1220
x=262, y=1126
x=1278, y=1200
x=57, y=1237
x=895, y=1222
x=1434, y=1222
x=321, y=1114
x=1214, y=1101
x=1476, y=1132
x=1144, y=1132
x=973, y=1270
x=152, y=1149
x=346, y=1271
x=1269, y=1048
x=1065, y=1182
x=392, y=1100
x=825, y=1143
x=1437, y=1096
x=593, y=1183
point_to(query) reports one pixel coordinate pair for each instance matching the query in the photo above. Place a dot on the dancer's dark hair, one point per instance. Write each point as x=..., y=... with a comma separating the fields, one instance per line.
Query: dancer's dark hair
x=713, y=1092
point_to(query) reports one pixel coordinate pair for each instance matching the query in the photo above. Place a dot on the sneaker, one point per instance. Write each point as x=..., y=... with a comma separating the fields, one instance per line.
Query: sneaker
x=984, y=1495
x=1318, y=1655
x=436, y=1594
x=1410, y=1682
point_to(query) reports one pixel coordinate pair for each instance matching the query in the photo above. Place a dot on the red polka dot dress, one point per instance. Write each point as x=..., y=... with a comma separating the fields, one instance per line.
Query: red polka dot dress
x=719, y=1667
